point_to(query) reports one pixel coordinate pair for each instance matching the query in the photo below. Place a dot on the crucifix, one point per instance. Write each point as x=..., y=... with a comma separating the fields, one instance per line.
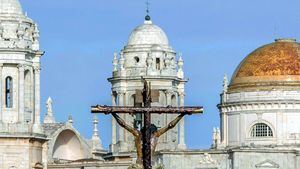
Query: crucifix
x=146, y=138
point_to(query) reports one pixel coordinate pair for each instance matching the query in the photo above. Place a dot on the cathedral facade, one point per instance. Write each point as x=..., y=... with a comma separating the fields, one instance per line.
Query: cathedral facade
x=259, y=107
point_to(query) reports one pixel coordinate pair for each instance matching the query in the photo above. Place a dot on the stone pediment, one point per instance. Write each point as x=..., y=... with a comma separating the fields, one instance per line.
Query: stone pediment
x=267, y=164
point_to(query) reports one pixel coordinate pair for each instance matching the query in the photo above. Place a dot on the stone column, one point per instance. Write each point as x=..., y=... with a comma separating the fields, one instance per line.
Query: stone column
x=114, y=125
x=167, y=117
x=32, y=93
x=37, y=100
x=181, y=144
x=121, y=103
x=1, y=92
x=21, y=93
x=224, y=127
x=169, y=95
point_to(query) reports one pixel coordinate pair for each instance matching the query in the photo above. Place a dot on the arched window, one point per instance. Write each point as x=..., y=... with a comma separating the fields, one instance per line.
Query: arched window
x=9, y=92
x=261, y=130
x=174, y=101
x=132, y=100
x=157, y=64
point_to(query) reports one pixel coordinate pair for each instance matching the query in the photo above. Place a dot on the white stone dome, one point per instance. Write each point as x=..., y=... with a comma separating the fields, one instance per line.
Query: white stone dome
x=148, y=34
x=10, y=7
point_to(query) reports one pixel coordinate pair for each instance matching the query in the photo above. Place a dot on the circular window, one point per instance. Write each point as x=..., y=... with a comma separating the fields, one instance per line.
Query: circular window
x=137, y=59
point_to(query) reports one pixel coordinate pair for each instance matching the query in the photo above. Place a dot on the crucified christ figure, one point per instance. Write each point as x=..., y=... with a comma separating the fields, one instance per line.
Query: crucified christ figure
x=138, y=134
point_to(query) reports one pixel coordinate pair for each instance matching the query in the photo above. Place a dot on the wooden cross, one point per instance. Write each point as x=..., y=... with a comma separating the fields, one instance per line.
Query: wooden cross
x=146, y=139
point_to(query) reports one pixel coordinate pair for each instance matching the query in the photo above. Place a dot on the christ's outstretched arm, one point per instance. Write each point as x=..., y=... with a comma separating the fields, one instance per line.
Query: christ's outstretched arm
x=171, y=125
x=122, y=123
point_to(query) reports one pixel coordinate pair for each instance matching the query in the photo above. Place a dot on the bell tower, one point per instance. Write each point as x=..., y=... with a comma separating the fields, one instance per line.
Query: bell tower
x=21, y=135
x=148, y=55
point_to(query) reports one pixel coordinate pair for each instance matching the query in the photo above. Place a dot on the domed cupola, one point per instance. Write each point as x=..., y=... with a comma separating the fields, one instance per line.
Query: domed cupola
x=270, y=67
x=147, y=53
x=148, y=34
x=261, y=105
x=17, y=31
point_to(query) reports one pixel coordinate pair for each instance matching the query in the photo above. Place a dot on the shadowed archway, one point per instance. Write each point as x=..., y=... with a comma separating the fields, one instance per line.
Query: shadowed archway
x=68, y=146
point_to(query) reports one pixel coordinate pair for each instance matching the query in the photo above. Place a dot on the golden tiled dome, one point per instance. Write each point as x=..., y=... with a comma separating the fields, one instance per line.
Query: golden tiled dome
x=270, y=67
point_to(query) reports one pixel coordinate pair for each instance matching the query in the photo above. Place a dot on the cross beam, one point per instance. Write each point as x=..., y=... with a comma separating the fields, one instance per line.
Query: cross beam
x=152, y=110
x=145, y=135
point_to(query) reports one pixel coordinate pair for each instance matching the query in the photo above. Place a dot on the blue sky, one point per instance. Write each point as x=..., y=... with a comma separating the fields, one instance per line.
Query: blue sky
x=80, y=37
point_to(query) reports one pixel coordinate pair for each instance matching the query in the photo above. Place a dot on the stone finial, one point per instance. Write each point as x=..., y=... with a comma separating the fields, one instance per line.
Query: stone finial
x=122, y=63
x=216, y=137
x=180, y=63
x=20, y=31
x=96, y=141
x=149, y=61
x=150, y=66
x=70, y=120
x=225, y=84
x=95, y=122
x=115, y=62
x=49, y=118
x=122, y=60
x=168, y=62
x=49, y=105
x=35, y=33
x=35, y=38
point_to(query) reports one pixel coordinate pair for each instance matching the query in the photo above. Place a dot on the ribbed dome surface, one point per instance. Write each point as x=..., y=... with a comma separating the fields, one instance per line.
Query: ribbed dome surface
x=10, y=7
x=276, y=65
x=148, y=34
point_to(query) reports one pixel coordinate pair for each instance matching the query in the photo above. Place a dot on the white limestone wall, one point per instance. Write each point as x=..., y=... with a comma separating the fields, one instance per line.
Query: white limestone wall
x=20, y=153
x=194, y=160
x=20, y=64
x=278, y=109
x=264, y=159
x=10, y=115
x=230, y=159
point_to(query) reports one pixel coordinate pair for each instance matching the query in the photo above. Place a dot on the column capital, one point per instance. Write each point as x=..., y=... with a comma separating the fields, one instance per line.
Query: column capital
x=181, y=94
x=121, y=92
x=37, y=68
x=169, y=92
x=21, y=67
x=113, y=93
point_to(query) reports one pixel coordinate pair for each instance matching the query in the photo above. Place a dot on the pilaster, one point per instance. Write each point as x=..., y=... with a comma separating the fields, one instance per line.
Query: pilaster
x=1, y=92
x=114, y=126
x=182, y=144
x=121, y=96
x=37, y=100
x=167, y=117
x=21, y=93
